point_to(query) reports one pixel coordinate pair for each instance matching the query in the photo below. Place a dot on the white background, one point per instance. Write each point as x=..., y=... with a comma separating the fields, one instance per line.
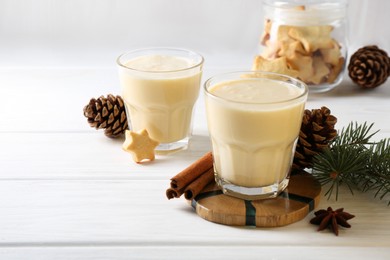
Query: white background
x=92, y=33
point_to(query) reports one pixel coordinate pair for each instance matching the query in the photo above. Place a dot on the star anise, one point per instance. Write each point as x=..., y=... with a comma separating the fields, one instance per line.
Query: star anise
x=331, y=219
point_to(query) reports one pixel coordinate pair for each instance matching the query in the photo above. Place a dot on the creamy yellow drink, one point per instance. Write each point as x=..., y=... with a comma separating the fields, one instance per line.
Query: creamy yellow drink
x=254, y=124
x=159, y=93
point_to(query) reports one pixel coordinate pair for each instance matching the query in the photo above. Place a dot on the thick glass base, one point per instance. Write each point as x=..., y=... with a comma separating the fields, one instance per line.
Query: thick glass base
x=165, y=148
x=251, y=193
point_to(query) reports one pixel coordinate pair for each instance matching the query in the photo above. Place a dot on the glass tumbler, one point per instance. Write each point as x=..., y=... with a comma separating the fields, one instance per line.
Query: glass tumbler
x=160, y=87
x=254, y=120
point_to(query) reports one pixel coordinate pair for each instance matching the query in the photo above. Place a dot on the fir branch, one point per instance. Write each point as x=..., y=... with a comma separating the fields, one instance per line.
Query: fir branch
x=355, y=134
x=356, y=161
x=378, y=167
x=340, y=164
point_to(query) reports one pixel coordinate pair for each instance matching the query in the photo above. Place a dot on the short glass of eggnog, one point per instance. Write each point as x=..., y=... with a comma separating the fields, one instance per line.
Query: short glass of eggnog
x=160, y=87
x=254, y=119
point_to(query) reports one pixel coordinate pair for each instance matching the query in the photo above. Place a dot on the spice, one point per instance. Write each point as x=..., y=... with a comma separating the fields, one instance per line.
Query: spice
x=192, y=179
x=331, y=219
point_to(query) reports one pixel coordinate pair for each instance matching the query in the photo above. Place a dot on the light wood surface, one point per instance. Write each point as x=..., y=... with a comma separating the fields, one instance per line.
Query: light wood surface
x=69, y=192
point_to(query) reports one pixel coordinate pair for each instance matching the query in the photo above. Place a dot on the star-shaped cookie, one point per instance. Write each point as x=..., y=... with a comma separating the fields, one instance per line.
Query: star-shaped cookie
x=140, y=145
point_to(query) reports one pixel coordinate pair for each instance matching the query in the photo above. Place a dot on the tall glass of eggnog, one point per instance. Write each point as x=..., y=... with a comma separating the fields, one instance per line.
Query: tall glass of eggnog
x=160, y=87
x=254, y=119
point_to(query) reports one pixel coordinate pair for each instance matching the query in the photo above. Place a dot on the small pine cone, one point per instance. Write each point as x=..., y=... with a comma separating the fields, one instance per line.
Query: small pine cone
x=317, y=130
x=369, y=67
x=108, y=114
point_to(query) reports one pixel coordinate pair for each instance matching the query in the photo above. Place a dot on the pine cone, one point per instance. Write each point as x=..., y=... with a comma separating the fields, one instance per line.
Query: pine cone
x=317, y=130
x=108, y=114
x=369, y=67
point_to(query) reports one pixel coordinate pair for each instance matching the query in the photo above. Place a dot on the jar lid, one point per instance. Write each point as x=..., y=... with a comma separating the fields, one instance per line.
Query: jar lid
x=306, y=12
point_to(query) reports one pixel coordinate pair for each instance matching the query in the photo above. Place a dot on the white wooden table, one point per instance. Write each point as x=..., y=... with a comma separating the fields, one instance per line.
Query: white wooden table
x=69, y=192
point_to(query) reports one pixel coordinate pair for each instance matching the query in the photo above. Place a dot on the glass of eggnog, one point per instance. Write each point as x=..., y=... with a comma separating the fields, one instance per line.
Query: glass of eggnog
x=254, y=119
x=160, y=87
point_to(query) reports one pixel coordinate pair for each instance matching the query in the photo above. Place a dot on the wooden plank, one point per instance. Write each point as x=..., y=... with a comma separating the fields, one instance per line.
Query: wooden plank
x=124, y=252
x=51, y=99
x=137, y=213
x=85, y=156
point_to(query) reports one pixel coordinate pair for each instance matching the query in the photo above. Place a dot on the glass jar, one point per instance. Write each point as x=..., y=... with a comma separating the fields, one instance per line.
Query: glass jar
x=306, y=40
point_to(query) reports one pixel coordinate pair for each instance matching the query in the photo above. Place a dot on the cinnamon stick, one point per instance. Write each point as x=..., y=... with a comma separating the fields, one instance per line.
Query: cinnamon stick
x=174, y=193
x=192, y=172
x=194, y=188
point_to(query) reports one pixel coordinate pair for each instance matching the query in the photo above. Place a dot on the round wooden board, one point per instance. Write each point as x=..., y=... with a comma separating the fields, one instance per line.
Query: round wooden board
x=293, y=204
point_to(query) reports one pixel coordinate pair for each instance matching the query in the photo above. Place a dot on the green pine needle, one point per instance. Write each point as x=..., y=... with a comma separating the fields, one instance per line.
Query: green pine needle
x=355, y=134
x=356, y=161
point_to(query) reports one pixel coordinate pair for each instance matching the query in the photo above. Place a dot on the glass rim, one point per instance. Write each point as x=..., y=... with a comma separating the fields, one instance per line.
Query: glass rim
x=197, y=64
x=293, y=81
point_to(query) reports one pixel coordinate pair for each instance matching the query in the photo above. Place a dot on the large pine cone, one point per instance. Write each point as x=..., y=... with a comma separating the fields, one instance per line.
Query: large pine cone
x=369, y=67
x=108, y=114
x=317, y=130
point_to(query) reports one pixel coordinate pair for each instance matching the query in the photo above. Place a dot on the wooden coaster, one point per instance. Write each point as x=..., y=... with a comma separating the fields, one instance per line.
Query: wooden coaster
x=300, y=197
